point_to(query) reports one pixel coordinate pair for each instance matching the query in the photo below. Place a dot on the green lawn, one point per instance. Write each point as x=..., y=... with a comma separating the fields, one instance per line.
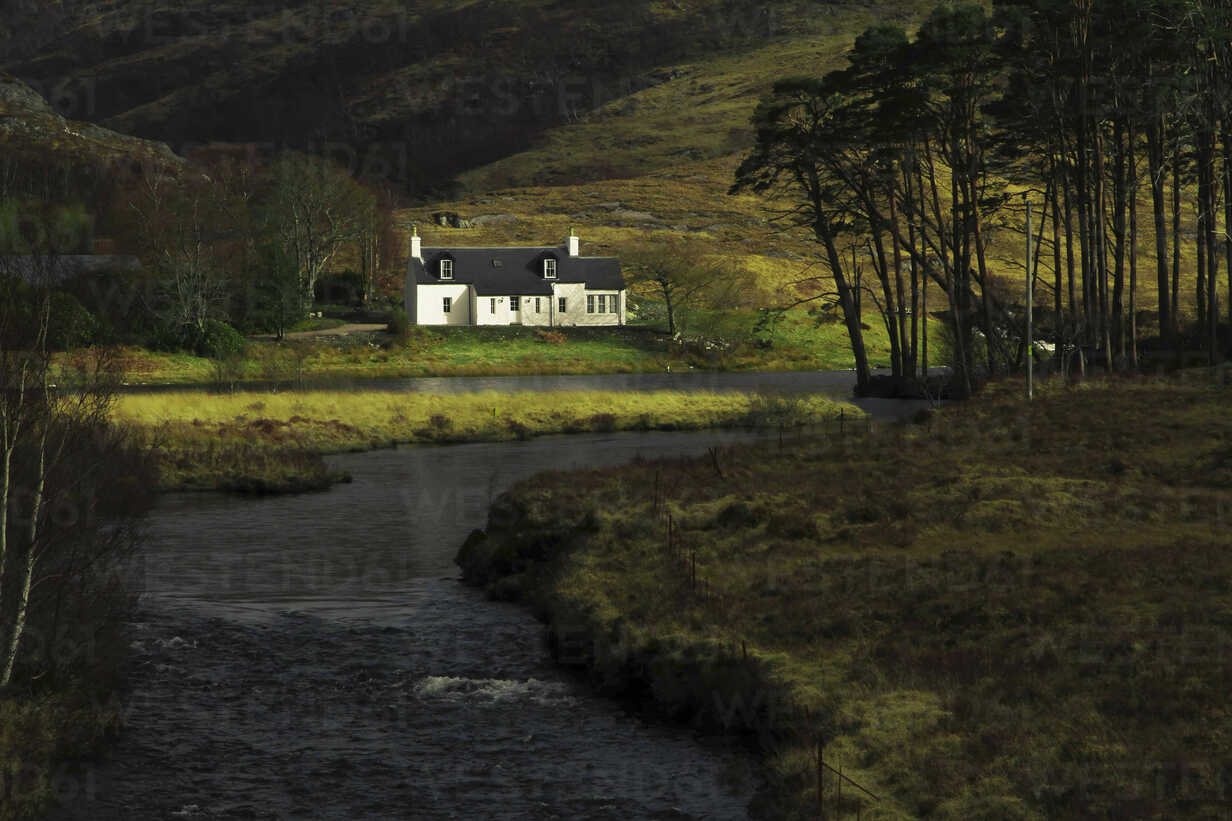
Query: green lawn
x=799, y=344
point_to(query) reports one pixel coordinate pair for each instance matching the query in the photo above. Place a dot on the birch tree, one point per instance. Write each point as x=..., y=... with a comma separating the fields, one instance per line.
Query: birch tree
x=58, y=452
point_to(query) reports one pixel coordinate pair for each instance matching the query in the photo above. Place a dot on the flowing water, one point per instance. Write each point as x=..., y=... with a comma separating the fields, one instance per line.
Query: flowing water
x=314, y=656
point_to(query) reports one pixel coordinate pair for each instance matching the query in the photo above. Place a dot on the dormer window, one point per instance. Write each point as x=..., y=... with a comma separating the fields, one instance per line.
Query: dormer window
x=549, y=269
x=447, y=269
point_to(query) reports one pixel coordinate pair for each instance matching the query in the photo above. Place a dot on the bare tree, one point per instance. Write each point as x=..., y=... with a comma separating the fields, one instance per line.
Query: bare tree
x=315, y=208
x=682, y=272
x=57, y=448
x=181, y=223
x=375, y=239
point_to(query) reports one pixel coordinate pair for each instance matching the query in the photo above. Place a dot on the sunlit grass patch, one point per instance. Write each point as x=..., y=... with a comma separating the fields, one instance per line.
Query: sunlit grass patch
x=265, y=440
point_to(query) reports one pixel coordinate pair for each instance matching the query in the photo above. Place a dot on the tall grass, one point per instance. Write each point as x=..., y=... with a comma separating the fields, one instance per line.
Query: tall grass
x=1010, y=611
x=272, y=441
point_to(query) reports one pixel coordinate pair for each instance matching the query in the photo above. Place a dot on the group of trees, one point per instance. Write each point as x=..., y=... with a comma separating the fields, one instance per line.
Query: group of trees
x=252, y=243
x=906, y=161
x=73, y=490
x=224, y=239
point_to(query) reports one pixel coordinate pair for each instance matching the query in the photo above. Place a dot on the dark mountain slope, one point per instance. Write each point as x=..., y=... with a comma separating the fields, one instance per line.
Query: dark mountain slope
x=379, y=83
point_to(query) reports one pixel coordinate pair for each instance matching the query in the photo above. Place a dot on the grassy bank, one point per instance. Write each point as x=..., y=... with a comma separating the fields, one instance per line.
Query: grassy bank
x=43, y=741
x=799, y=344
x=1009, y=612
x=273, y=441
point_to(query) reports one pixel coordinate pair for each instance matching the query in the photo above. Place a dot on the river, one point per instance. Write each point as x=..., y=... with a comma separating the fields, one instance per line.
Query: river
x=314, y=656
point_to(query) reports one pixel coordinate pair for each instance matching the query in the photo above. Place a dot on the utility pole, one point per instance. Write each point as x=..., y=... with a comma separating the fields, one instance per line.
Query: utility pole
x=1030, y=284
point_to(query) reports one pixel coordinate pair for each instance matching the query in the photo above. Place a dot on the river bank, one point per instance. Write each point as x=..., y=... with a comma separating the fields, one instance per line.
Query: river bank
x=1011, y=611
x=273, y=442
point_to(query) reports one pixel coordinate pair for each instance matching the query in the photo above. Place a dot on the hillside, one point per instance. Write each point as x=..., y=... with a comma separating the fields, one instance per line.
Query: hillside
x=34, y=134
x=383, y=82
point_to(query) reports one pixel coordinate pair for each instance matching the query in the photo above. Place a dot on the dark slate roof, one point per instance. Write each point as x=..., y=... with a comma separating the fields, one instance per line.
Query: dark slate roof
x=518, y=271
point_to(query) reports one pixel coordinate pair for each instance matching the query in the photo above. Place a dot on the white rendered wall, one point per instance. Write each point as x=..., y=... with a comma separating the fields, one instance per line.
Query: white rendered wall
x=576, y=294
x=575, y=302
x=429, y=306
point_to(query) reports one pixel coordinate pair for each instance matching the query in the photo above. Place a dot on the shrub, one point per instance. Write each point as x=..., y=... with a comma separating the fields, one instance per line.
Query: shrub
x=399, y=327
x=603, y=422
x=72, y=326
x=218, y=340
x=346, y=288
x=551, y=337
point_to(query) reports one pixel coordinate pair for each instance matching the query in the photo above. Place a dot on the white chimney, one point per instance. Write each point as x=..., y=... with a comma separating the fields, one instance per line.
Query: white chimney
x=573, y=243
x=416, y=251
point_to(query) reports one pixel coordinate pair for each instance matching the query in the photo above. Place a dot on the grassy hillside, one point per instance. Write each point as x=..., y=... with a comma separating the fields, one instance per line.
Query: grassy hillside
x=1007, y=613
x=463, y=83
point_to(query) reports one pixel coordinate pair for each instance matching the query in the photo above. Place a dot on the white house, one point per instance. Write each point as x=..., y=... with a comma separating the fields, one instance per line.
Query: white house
x=551, y=286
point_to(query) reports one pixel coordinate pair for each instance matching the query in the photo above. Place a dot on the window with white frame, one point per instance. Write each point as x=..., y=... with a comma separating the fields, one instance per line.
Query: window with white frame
x=447, y=269
x=492, y=305
x=562, y=305
x=613, y=303
x=537, y=305
x=590, y=303
x=515, y=303
x=549, y=268
x=447, y=304
x=602, y=304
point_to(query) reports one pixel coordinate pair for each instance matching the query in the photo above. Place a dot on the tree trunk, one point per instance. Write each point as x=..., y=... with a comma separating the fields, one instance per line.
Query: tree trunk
x=914, y=355
x=1211, y=239
x=23, y=596
x=900, y=305
x=671, y=312
x=881, y=264
x=851, y=310
x=1227, y=207
x=1119, y=208
x=1069, y=260
x=1176, y=247
x=990, y=336
x=1058, y=305
x=1200, y=242
x=1133, y=249
x=1155, y=166
x=1101, y=256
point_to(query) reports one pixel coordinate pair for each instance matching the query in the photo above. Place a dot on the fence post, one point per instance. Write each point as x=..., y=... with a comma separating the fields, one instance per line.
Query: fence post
x=821, y=779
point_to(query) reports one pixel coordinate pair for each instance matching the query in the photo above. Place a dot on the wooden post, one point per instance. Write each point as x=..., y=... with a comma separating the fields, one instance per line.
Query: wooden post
x=1030, y=287
x=821, y=779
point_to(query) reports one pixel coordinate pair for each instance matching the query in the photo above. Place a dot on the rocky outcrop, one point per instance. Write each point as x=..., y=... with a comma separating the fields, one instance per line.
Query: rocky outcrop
x=31, y=129
x=15, y=94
